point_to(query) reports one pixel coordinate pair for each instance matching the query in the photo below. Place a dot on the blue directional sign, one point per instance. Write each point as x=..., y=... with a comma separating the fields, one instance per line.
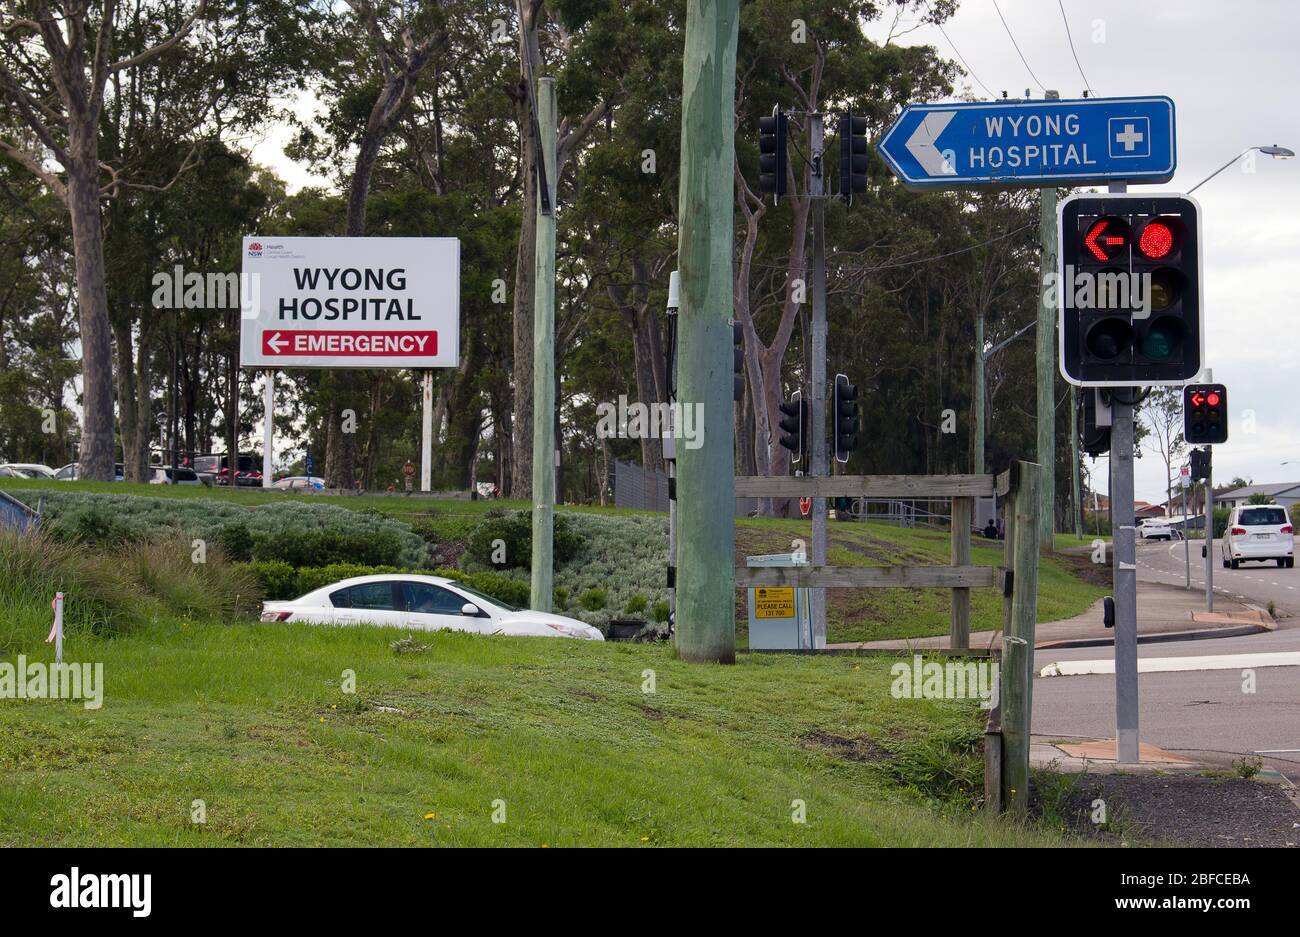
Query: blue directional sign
x=1033, y=143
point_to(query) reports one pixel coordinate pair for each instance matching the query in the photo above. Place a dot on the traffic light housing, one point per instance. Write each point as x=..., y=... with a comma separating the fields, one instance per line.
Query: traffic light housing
x=1199, y=463
x=1094, y=438
x=1128, y=289
x=853, y=155
x=1205, y=414
x=772, y=161
x=795, y=425
x=737, y=362
x=845, y=418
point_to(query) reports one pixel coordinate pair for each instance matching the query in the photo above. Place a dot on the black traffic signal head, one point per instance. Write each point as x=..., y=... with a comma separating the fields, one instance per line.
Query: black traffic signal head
x=853, y=155
x=737, y=362
x=1094, y=439
x=772, y=133
x=845, y=418
x=1199, y=463
x=1128, y=289
x=1205, y=414
x=795, y=426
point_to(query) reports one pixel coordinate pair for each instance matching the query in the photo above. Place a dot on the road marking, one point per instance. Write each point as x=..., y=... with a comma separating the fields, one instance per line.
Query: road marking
x=1074, y=668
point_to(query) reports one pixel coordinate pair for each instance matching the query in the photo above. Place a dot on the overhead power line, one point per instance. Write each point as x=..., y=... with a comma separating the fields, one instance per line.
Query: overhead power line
x=1086, y=84
x=1017, y=46
x=970, y=71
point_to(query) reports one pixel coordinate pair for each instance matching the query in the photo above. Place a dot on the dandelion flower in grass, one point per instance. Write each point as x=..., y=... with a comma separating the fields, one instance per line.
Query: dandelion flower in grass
x=429, y=816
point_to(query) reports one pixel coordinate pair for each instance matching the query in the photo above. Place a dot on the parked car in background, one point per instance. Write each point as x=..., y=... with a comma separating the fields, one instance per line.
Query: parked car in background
x=25, y=470
x=1156, y=528
x=424, y=603
x=166, y=475
x=306, y=484
x=71, y=471
x=1258, y=532
x=248, y=469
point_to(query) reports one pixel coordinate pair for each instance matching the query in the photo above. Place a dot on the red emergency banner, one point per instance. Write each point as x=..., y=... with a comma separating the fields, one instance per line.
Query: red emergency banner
x=350, y=343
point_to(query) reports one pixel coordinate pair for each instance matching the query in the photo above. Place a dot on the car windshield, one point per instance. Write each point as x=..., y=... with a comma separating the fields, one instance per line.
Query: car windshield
x=486, y=598
x=1260, y=517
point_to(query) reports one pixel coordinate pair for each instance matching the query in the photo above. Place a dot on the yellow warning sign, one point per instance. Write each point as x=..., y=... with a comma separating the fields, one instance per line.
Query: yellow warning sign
x=773, y=603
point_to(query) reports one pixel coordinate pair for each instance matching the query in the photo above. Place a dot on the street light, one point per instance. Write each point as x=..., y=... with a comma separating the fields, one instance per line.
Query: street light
x=1277, y=152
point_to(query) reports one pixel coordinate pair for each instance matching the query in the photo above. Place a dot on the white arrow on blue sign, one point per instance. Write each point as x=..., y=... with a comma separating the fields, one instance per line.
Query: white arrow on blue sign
x=1033, y=143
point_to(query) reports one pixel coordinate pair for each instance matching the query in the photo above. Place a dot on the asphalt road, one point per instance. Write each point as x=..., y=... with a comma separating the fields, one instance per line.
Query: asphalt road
x=1258, y=583
x=1206, y=715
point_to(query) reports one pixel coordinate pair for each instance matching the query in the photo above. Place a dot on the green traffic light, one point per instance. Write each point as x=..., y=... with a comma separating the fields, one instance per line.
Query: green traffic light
x=1162, y=339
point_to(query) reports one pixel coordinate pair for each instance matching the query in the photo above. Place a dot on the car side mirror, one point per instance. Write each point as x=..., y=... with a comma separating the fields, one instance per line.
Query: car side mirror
x=469, y=608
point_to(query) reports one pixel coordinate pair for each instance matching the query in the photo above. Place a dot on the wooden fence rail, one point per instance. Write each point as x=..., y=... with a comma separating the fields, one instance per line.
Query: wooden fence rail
x=1009, y=728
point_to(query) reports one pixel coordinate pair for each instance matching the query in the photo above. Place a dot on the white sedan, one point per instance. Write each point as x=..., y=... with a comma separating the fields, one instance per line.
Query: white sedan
x=424, y=603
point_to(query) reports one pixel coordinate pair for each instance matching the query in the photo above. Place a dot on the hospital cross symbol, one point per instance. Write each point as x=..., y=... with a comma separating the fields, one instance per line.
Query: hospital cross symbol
x=1131, y=137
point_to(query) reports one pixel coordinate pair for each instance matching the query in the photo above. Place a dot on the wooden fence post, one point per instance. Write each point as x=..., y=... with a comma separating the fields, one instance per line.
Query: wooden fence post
x=963, y=510
x=1020, y=616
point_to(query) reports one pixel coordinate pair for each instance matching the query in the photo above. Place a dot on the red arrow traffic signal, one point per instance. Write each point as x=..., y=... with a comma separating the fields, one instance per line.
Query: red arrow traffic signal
x=1103, y=245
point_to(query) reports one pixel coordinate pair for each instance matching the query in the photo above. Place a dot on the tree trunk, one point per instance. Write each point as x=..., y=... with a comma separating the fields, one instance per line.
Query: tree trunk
x=96, y=455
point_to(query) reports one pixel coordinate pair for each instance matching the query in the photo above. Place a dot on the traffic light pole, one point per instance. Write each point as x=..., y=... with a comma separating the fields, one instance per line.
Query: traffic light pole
x=817, y=400
x=1124, y=539
x=1124, y=571
x=1209, y=531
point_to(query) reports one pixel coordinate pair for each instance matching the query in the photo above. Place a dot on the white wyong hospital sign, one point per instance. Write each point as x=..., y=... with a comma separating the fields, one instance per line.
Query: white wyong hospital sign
x=336, y=302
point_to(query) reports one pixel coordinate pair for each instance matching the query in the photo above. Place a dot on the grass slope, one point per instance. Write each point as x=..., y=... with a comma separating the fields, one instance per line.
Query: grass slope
x=252, y=720
x=852, y=614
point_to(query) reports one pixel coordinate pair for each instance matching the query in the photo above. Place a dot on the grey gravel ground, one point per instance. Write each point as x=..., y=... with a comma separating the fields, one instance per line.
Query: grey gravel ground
x=1186, y=810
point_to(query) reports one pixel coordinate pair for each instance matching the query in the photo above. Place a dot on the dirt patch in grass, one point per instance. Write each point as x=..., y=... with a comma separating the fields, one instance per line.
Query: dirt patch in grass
x=1185, y=810
x=860, y=749
x=1082, y=566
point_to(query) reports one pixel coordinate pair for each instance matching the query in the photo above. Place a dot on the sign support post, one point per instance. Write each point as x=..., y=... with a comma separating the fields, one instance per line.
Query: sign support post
x=426, y=433
x=268, y=434
x=1124, y=574
x=541, y=595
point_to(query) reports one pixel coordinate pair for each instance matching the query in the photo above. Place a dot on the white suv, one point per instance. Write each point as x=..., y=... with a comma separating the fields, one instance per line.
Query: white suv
x=1258, y=532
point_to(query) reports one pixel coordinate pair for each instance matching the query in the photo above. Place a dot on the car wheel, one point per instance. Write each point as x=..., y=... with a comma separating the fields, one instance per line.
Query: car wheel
x=1226, y=564
x=1281, y=563
x=1236, y=564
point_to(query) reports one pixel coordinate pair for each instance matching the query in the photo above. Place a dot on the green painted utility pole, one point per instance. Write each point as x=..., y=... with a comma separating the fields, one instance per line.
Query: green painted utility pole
x=540, y=596
x=1047, y=364
x=977, y=462
x=706, y=487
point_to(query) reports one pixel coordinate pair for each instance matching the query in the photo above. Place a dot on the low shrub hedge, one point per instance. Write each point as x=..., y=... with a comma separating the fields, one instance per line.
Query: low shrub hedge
x=297, y=532
x=504, y=540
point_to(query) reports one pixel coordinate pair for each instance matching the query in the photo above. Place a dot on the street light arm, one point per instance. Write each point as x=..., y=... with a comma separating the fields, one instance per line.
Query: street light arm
x=1221, y=168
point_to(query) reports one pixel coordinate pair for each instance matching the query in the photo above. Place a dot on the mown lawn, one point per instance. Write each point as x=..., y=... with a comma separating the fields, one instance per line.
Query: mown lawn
x=252, y=720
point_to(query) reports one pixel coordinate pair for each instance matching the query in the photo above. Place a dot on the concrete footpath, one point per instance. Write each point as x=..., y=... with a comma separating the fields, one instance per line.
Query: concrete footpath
x=1164, y=613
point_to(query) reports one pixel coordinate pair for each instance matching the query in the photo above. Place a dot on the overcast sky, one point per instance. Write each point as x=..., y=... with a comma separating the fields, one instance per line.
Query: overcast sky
x=1231, y=71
